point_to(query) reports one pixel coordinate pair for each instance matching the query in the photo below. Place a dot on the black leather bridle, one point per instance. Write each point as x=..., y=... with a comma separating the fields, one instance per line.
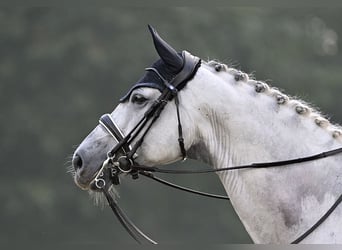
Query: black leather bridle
x=121, y=158
x=123, y=154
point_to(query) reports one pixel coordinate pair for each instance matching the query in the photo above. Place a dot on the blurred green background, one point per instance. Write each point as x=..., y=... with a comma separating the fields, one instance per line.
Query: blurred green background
x=61, y=68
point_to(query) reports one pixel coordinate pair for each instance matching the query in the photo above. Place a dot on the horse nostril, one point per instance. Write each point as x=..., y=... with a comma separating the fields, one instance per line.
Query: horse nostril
x=77, y=162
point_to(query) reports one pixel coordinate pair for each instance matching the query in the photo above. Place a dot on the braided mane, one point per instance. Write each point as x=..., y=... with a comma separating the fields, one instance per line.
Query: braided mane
x=300, y=107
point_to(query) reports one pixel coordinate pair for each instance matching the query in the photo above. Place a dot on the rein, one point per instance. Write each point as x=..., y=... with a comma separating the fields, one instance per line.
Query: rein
x=253, y=165
x=121, y=158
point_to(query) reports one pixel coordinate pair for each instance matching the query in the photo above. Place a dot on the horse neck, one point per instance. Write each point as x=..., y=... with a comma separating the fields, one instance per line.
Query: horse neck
x=238, y=125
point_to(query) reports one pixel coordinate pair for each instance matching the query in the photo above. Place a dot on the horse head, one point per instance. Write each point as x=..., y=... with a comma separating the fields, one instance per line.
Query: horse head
x=157, y=146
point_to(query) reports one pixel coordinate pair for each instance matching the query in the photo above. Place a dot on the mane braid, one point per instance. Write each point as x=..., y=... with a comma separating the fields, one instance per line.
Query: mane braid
x=300, y=107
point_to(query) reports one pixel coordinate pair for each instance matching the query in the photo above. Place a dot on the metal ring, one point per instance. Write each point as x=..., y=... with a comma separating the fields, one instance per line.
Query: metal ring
x=130, y=161
x=100, y=183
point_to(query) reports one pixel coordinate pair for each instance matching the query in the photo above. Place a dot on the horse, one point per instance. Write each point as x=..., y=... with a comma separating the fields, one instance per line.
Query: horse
x=204, y=110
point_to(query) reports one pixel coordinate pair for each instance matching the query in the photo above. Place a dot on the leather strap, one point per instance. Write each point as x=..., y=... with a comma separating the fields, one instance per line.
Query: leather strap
x=113, y=129
x=249, y=166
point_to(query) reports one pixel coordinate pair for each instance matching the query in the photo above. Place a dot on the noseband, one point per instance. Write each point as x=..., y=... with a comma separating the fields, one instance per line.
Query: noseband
x=120, y=159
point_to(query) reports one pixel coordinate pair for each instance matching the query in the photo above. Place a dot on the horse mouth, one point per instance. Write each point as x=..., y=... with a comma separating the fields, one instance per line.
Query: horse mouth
x=82, y=182
x=86, y=181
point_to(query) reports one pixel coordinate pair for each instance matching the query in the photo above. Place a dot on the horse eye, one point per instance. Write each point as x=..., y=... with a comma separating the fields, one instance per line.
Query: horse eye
x=138, y=99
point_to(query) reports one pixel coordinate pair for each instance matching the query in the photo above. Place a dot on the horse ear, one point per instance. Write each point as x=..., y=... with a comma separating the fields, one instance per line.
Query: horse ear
x=168, y=54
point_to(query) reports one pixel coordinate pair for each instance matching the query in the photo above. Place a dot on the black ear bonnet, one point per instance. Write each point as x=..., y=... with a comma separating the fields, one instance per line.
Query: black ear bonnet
x=170, y=66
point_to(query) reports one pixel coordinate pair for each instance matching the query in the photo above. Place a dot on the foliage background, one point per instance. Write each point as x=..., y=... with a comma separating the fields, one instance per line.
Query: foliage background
x=61, y=68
